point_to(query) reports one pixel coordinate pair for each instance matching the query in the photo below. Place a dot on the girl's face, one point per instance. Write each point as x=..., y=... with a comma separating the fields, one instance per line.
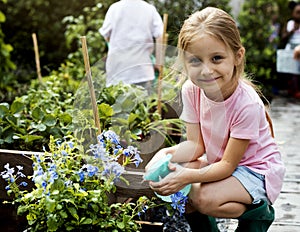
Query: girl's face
x=210, y=65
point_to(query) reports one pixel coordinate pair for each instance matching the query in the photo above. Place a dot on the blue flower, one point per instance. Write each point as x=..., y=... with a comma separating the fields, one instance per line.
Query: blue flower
x=58, y=143
x=37, y=157
x=23, y=183
x=71, y=144
x=179, y=202
x=64, y=153
x=113, y=168
x=8, y=173
x=91, y=170
x=81, y=176
x=137, y=160
x=110, y=136
x=130, y=150
x=44, y=184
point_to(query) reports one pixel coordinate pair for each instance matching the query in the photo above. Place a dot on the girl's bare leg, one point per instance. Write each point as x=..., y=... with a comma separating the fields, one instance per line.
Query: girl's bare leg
x=223, y=199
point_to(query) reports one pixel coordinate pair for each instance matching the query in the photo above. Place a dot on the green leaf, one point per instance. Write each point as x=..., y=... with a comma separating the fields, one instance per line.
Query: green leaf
x=49, y=120
x=52, y=223
x=12, y=120
x=105, y=110
x=73, y=212
x=37, y=113
x=120, y=225
x=2, y=17
x=63, y=214
x=65, y=118
x=4, y=109
x=29, y=138
x=50, y=204
x=39, y=127
x=17, y=107
x=86, y=221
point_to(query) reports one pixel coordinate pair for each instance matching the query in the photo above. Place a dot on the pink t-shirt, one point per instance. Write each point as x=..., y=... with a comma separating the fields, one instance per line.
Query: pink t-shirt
x=240, y=116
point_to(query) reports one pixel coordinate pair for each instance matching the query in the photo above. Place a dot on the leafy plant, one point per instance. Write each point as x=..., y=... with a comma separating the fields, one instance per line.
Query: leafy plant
x=73, y=187
x=260, y=53
x=126, y=109
x=28, y=122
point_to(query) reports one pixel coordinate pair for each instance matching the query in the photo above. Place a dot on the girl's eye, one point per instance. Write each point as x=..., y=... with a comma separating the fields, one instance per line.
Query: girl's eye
x=217, y=58
x=194, y=60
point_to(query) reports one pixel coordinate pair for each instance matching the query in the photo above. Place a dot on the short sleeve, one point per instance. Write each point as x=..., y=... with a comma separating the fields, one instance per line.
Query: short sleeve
x=290, y=25
x=106, y=28
x=246, y=123
x=158, y=25
x=191, y=103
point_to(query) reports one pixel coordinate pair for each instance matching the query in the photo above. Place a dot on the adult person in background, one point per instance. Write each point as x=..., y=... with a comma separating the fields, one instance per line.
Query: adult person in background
x=131, y=28
x=291, y=36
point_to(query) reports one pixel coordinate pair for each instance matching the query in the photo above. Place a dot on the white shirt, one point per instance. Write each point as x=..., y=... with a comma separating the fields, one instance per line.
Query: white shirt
x=130, y=26
x=295, y=37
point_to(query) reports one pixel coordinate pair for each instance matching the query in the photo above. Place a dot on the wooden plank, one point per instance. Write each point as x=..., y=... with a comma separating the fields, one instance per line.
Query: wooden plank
x=287, y=211
x=283, y=228
x=290, y=187
x=137, y=186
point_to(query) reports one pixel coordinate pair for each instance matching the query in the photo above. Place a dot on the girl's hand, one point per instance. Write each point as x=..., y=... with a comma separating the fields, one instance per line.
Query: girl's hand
x=172, y=183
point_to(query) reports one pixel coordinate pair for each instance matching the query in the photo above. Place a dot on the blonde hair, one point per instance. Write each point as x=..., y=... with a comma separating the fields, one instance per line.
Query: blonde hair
x=219, y=24
x=214, y=22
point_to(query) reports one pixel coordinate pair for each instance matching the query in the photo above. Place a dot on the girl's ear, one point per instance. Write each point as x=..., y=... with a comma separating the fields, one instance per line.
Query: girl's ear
x=240, y=56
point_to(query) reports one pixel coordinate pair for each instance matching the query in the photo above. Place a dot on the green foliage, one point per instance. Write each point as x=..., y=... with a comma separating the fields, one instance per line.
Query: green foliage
x=86, y=24
x=73, y=188
x=178, y=11
x=43, y=17
x=125, y=109
x=5, y=49
x=260, y=53
x=7, y=83
x=29, y=121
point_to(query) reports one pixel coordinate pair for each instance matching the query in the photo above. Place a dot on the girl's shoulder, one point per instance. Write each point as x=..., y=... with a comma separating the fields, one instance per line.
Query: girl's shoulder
x=247, y=94
x=189, y=87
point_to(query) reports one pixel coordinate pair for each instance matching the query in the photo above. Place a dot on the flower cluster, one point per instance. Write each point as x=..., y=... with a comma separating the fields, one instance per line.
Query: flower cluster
x=178, y=202
x=73, y=188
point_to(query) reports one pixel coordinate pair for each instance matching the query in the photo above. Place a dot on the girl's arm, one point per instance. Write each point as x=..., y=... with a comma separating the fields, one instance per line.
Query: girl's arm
x=233, y=154
x=181, y=176
x=192, y=148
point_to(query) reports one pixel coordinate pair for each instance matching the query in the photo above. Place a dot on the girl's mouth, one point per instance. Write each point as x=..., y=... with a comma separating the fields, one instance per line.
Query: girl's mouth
x=208, y=80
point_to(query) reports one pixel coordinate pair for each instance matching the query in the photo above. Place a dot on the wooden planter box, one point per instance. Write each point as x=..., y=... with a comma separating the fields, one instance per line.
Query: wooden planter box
x=9, y=220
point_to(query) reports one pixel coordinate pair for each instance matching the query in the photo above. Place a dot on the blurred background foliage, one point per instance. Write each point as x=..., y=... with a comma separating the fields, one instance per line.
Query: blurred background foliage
x=60, y=24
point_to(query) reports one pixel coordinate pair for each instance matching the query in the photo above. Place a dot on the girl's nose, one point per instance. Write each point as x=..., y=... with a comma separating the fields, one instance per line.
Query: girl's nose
x=206, y=70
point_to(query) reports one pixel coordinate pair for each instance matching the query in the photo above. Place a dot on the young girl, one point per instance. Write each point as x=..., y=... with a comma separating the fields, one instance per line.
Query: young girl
x=225, y=120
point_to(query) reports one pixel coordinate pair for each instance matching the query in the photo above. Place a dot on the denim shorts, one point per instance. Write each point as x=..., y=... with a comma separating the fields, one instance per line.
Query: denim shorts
x=253, y=182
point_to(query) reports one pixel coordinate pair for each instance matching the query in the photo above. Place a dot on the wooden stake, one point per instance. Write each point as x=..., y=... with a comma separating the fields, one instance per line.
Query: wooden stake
x=165, y=20
x=90, y=83
x=37, y=57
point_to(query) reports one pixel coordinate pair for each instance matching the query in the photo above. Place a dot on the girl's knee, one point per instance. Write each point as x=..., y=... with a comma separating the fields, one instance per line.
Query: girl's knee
x=201, y=199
